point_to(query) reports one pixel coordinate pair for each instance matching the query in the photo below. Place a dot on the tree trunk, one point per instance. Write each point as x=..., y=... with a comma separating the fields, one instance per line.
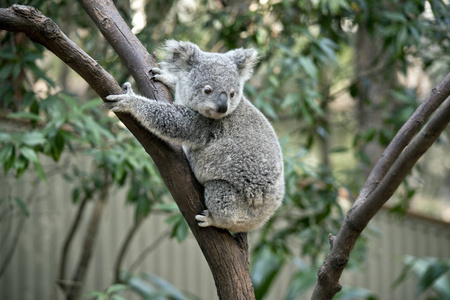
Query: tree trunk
x=227, y=256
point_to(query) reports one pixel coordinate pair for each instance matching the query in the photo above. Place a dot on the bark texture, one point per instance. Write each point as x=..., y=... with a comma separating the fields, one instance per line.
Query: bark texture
x=226, y=256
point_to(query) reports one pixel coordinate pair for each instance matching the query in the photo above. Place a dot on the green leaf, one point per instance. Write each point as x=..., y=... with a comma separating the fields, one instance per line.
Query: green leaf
x=116, y=288
x=21, y=165
x=39, y=170
x=9, y=162
x=433, y=272
x=93, y=294
x=75, y=195
x=91, y=104
x=33, y=138
x=266, y=268
x=290, y=100
x=308, y=66
x=314, y=106
x=394, y=16
x=181, y=230
x=29, y=154
x=24, y=115
x=5, y=71
x=338, y=149
x=6, y=152
x=39, y=73
x=22, y=206
x=58, y=144
x=164, y=285
x=350, y=293
x=180, y=227
x=16, y=70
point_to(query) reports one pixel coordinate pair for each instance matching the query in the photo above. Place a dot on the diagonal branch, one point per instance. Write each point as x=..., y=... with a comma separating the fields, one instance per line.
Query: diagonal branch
x=228, y=259
x=404, y=136
x=42, y=30
x=394, y=165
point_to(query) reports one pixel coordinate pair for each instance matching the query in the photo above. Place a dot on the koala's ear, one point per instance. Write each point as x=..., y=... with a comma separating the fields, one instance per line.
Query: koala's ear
x=245, y=60
x=181, y=56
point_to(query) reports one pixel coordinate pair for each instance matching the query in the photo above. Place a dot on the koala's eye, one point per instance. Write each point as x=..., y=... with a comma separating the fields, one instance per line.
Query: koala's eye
x=232, y=95
x=207, y=90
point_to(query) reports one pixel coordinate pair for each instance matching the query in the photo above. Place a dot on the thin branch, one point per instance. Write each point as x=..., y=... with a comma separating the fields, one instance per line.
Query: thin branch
x=127, y=46
x=404, y=136
x=403, y=165
x=15, y=240
x=124, y=248
x=149, y=250
x=68, y=242
x=394, y=165
x=74, y=291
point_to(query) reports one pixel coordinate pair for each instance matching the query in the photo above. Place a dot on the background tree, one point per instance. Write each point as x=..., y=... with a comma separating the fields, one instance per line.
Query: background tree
x=307, y=50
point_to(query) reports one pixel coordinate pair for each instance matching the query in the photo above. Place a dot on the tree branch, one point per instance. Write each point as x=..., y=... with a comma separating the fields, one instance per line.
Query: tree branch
x=227, y=259
x=124, y=248
x=394, y=165
x=404, y=136
x=74, y=291
x=68, y=242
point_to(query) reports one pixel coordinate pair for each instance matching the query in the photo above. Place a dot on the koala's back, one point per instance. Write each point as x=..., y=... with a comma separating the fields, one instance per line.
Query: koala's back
x=245, y=152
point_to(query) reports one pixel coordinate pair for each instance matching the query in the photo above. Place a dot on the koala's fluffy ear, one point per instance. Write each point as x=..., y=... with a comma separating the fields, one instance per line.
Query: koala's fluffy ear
x=245, y=60
x=180, y=56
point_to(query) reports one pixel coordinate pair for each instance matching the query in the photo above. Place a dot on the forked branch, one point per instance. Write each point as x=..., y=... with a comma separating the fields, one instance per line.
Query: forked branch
x=228, y=260
x=394, y=165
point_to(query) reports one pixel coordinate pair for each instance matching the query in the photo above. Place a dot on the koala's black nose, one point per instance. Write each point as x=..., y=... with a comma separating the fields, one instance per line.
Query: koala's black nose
x=222, y=103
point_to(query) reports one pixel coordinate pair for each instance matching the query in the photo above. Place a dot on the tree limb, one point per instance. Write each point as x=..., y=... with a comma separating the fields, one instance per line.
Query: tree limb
x=227, y=259
x=74, y=291
x=394, y=165
x=404, y=136
x=124, y=248
x=68, y=241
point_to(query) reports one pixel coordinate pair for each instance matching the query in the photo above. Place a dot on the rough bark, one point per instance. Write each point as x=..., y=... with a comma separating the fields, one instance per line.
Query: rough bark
x=227, y=258
x=395, y=163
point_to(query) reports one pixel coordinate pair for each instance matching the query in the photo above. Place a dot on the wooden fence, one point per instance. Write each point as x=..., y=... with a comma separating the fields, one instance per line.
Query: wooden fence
x=33, y=270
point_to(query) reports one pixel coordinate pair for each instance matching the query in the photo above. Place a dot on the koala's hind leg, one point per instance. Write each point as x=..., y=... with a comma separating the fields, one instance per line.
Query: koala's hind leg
x=222, y=202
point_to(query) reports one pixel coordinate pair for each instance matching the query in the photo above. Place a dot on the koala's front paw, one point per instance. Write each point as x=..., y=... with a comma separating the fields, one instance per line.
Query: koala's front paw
x=164, y=77
x=121, y=103
x=203, y=219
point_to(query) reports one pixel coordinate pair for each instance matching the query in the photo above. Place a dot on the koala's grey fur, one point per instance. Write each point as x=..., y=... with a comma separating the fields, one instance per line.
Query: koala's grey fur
x=231, y=147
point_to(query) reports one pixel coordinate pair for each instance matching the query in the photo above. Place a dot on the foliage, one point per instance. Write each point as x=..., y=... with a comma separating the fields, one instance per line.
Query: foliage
x=112, y=293
x=150, y=286
x=433, y=274
x=307, y=62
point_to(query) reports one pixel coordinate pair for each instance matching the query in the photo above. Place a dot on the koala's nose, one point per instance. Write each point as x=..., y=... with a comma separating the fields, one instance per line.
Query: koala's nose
x=222, y=103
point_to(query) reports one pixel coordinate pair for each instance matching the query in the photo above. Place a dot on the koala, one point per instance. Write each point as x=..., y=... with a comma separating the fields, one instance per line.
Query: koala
x=231, y=147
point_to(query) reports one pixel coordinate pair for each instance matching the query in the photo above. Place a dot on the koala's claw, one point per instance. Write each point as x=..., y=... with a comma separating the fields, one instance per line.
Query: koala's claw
x=119, y=102
x=203, y=219
x=155, y=70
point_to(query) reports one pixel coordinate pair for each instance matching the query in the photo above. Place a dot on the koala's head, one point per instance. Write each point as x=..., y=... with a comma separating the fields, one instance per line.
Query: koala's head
x=209, y=83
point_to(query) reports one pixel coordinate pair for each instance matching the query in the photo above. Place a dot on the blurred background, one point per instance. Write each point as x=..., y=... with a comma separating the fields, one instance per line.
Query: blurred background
x=83, y=210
